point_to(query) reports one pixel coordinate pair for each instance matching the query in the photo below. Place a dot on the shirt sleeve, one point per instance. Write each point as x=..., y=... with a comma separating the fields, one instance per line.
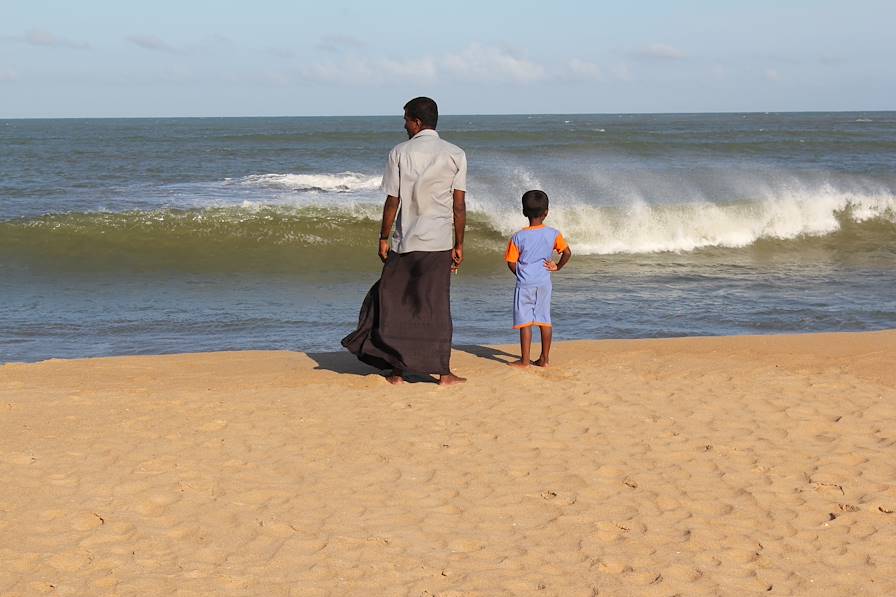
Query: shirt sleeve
x=390, y=178
x=560, y=243
x=460, y=178
x=512, y=255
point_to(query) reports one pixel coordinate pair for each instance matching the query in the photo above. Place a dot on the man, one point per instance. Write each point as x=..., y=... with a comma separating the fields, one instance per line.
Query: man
x=405, y=321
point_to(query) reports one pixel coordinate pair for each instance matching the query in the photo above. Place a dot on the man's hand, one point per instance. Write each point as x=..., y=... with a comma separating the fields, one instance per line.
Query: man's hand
x=550, y=265
x=457, y=257
x=390, y=210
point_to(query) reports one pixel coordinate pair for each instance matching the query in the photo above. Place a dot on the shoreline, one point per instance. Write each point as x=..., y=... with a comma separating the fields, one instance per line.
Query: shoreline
x=699, y=465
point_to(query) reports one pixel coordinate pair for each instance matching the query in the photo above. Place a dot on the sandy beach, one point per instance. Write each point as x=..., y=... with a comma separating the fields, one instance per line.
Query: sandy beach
x=702, y=466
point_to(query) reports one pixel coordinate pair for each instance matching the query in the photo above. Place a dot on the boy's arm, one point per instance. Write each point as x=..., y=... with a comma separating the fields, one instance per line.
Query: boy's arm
x=565, y=255
x=511, y=256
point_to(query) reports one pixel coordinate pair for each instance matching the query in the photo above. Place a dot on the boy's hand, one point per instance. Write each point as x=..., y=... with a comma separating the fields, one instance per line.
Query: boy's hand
x=384, y=250
x=550, y=265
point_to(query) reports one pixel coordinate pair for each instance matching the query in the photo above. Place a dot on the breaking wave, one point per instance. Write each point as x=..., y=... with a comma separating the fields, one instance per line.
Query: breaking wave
x=340, y=237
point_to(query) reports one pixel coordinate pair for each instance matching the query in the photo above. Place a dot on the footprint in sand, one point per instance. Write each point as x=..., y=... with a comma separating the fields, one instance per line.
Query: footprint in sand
x=70, y=561
x=86, y=521
x=561, y=498
x=607, y=471
x=608, y=531
x=612, y=566
x=17, y=458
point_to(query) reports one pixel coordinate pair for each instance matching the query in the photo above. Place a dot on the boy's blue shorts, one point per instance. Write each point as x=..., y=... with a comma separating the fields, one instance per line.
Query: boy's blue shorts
x=531, y=306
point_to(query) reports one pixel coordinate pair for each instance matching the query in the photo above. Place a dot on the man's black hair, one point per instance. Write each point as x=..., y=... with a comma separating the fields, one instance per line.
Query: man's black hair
x=535, y=203
x=423, y=109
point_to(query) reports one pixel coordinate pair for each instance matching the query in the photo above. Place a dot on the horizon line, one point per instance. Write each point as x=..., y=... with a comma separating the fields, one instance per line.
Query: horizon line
x=159, y=117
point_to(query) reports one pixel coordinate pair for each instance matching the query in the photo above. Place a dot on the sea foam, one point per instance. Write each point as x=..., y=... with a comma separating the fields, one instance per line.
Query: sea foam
x=342, y=182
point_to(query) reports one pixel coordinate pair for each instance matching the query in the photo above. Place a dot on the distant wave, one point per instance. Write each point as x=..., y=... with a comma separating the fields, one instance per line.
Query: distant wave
x=342, y=182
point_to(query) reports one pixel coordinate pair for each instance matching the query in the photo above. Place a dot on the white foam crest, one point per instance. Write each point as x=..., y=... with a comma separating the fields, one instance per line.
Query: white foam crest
x=343, y=182
x=642, y=227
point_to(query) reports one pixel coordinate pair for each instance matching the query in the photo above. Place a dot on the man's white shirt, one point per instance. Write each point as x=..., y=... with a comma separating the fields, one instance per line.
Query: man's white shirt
x=423, y=172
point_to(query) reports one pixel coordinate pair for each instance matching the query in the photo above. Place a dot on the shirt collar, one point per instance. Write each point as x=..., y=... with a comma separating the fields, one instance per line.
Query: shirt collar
x=426, y=133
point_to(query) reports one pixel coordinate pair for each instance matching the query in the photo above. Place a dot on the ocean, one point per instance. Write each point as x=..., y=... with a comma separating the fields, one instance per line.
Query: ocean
x=153, y=236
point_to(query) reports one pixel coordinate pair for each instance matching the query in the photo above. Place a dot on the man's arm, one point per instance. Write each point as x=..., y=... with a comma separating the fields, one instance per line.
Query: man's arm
x=390, y=209
x=512, y=266
x=460, y=224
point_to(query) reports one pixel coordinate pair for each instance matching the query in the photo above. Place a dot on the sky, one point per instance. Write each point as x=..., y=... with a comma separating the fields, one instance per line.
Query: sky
x=97, y=58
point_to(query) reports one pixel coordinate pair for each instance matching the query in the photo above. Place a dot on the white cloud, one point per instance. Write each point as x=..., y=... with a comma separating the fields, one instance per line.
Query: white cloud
x=660, y=52
x=772, y=74
x=424, y=68
x=584, y=70
x=7, y=76
x=151, y=42
x=358, y=70
x=39, y=37
x=476, y=63
x=484, y=63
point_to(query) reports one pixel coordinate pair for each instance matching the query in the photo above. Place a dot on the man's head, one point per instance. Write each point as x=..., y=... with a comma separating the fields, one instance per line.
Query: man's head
x=420, y=113
x=535, y=204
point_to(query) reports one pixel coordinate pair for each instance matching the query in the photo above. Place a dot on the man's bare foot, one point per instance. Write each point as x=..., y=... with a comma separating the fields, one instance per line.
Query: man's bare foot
x=520, y=364
x=450, y=379
x=396, y=378
x=541, y=362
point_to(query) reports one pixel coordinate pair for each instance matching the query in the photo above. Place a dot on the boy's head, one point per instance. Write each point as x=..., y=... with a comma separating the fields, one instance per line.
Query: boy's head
x=535, y=204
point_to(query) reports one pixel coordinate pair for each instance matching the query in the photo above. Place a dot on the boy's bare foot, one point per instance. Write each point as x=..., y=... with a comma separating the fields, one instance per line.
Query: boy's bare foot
x=451, y=379
x=396, y=378
x=541, y=362
x=519, y=364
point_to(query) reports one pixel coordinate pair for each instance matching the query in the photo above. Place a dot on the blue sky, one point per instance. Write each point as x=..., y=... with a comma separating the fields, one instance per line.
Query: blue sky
x=199, y=58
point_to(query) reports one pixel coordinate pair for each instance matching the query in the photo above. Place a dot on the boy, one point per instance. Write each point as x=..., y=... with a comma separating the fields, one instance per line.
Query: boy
x=530, y=257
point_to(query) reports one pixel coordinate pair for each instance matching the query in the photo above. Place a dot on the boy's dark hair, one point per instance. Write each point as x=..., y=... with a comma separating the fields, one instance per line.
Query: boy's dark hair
x=535, y=203
x=423, y=109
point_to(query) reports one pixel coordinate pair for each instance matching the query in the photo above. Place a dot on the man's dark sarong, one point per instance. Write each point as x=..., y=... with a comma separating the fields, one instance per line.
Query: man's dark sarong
x=405, y=319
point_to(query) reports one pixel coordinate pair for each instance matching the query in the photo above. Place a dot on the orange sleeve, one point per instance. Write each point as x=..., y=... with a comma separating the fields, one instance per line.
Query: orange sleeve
x=560, y=244
x=512, y=255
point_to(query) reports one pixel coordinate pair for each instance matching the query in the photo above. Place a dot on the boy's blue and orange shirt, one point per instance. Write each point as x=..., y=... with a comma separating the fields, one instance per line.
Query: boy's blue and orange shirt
x=530, y=248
